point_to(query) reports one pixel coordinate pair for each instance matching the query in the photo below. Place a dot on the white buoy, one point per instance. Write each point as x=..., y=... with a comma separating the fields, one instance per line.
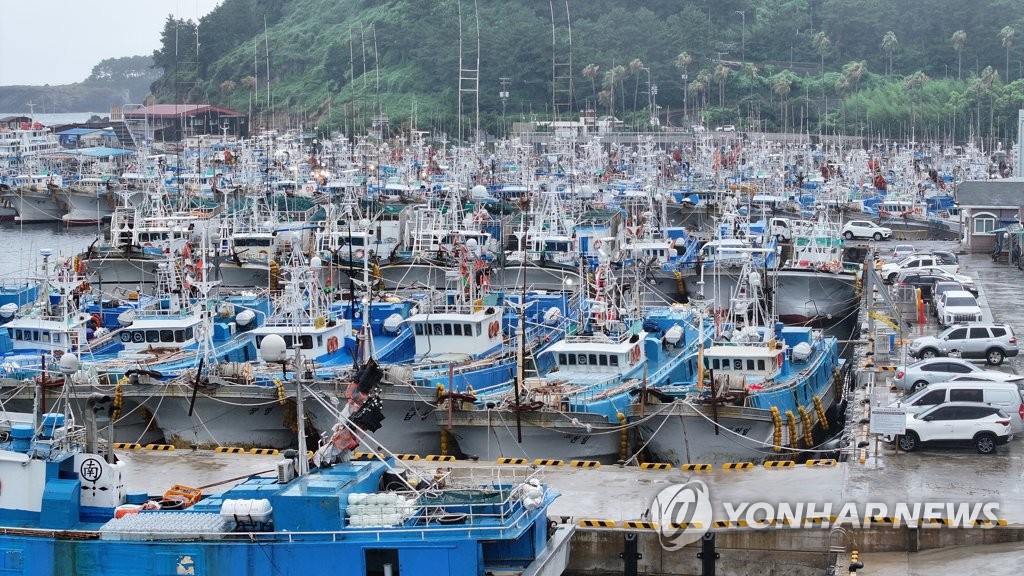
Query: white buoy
x=552, y=315
x=244, y=318
x=8, y=310
x=126, y=318
x=393, y=323
x=674, y=334
x=801, y=352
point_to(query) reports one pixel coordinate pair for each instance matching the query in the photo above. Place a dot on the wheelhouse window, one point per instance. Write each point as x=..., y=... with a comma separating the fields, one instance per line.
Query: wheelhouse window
x=984, y=223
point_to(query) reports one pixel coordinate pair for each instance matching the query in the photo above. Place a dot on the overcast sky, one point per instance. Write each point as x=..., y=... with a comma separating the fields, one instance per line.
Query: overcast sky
x=59, y=41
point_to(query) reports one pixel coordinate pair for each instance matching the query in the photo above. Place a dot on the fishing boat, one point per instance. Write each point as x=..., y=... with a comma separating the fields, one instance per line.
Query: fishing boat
x=574, y=407
x=815, y=287
x=761, y=388
x=70, y=505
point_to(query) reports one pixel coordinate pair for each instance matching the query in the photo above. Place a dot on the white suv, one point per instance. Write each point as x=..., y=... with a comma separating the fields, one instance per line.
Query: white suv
x=982, y=425
x=865, y=229
x=993, y=342
x=890, y=270
x=957, y=306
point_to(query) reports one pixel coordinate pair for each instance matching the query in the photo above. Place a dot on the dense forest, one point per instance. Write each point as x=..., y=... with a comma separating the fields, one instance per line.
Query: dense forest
x=112, y=82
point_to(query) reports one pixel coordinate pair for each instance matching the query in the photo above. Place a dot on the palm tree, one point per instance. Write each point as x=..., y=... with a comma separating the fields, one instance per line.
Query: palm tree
x=721, y=74
x=889, y=43
x=590, y=71
x=610, y=80
x=781, y=85
x=822, y=43
x=683, y=61
x=914, y=85
x=635, y=67
x=958, y=39
x=853, y=71
x=1006, y=37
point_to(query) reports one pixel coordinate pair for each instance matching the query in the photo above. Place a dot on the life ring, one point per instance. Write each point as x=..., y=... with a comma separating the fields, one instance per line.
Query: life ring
x=332, y=344
x=148, y=245
x=493, y=329
x=359, y=253
x=634, y=354
x=97, y=320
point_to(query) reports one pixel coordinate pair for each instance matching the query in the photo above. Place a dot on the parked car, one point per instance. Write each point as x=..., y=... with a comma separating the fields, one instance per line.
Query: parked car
x=891, y=270
x=930, y=370
x=901, y=251
x=957, y=306
x=942, y=286
x=726, y=128
x=992, y=342
x=922, y=279
x=979, y=424
x=865, y=229
x=966, y=281
x=1004, y=395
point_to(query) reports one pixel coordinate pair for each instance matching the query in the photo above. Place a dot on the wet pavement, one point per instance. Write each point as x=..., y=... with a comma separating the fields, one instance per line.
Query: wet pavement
x=992, y=560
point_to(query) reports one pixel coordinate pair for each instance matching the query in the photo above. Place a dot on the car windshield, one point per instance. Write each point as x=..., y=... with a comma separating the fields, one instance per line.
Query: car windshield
x=961, y=301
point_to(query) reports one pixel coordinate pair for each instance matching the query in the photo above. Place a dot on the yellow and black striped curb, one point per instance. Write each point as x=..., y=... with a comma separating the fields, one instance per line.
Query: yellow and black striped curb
x=512, y=461
x=696, y=467
x=439, y=458
x=368, y=456
x=640, y=524
x=655, y=466
x=161, y=447
x=229, y=450
x=128, y=446
x=585, y=463
x=822, y=463
x=897, y=521
x=597, y=523
x=407, y=456
x=737, y=465
x=685, y=525
x=780, y=464
x=267, y=451
x=543, y=462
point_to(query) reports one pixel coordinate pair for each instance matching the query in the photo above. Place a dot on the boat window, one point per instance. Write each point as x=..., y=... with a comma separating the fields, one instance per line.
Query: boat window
x=138, y=337
x=572, y=359
x=750, y=364
x=35, y=335
x=46, y=336
x=603, y=359
x=179, y=336
x=167, y=335
x=189, y=333
x=583, y=359
x=737, y=364
x=152, y=336
x=561, y=360
x=438, y=331
x=593, y=359
x=17, y=334
x=760, y=364
x=613, y=359
x=56, y=338
x=447, y=329
x=467, y=329
x=319, y=340
x=457, y=329
x=419, y=329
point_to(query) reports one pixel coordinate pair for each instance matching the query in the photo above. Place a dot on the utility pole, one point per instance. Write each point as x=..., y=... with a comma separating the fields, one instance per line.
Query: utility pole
x=503, y=96
x=743, y=36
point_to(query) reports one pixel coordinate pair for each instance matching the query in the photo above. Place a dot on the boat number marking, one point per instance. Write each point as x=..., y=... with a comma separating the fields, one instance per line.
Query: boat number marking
x=91, y=469
x=741, y=430
x=582, y=439
x=409, y=414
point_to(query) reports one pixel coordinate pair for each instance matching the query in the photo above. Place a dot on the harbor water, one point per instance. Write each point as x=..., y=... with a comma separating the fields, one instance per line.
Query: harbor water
x=20, y=244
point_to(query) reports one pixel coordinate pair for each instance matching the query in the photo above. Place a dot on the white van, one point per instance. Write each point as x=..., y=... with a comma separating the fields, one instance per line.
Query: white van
x=1005, y=395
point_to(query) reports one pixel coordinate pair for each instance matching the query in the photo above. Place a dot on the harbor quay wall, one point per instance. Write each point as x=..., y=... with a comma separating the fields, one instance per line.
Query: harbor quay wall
x=750, y=552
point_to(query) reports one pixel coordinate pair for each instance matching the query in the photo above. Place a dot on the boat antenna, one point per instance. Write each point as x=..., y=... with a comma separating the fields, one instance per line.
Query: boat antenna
x=520, y=347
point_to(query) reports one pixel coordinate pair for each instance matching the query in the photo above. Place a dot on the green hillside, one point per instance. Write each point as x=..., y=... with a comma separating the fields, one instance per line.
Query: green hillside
x=929, y=68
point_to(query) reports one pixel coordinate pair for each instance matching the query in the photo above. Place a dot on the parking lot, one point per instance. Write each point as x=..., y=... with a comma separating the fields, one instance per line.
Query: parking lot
x=999, y=290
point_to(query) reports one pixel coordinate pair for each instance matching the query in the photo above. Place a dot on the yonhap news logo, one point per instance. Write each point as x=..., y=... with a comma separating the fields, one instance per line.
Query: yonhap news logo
x=682, y=513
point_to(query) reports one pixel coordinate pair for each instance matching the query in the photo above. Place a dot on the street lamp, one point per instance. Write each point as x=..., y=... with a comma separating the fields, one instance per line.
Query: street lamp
x=743, y=36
